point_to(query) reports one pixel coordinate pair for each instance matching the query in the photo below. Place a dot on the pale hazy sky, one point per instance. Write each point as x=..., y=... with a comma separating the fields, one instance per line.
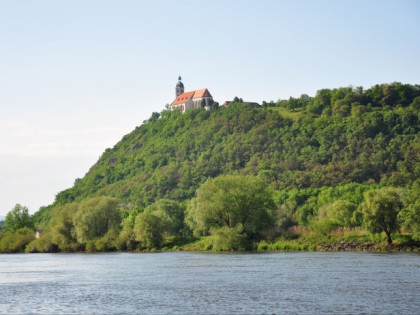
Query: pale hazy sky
x=76, y=76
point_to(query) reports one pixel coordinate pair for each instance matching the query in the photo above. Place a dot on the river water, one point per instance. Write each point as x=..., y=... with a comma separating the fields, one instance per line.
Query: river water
x=207, y=283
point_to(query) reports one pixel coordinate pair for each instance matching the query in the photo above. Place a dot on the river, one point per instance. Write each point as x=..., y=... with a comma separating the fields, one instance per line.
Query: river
x=208, y=283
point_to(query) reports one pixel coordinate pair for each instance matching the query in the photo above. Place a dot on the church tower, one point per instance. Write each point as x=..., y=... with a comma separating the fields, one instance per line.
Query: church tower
x=179, y=88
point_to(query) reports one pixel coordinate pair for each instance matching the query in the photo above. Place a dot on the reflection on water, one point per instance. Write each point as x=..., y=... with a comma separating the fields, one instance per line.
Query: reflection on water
x=206, y=283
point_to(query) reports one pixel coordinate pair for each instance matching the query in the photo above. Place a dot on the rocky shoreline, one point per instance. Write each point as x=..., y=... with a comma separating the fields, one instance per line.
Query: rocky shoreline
x=357, y=246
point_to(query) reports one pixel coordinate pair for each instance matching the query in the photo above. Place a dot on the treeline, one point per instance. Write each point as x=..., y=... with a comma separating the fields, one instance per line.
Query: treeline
x=317, y=156
x=229, y=212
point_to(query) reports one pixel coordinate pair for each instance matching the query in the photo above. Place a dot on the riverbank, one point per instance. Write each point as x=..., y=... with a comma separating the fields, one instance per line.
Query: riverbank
x=349, y=240
x=293, y=240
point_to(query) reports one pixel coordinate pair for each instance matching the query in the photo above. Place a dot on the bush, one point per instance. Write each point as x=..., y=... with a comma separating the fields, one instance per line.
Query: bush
x=325, y=226
x=43, y=244
x=108, y=242
x=16, y=242
x=262, y=246
x=228, y=239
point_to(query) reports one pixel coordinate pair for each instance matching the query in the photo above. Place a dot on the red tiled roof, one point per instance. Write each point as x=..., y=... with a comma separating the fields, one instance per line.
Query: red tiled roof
x=202, y=93
x=184, y=97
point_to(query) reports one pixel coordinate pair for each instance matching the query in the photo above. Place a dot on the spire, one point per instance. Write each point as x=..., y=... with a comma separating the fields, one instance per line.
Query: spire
x=179, y=88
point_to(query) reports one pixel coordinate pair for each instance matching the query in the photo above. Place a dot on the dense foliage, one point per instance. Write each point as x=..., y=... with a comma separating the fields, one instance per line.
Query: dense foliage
x=316, y=157
x=17, y=218
x=233, y=203
x=380, y=211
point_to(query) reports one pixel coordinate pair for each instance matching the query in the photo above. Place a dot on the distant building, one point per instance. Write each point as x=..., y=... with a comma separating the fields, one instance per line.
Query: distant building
x=38, y=233
x=252, y=104
x=190, y=100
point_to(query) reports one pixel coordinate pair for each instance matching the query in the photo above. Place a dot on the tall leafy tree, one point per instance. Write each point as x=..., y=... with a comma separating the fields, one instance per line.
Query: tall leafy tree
x=95, y=217
x=18, y=218
x=232, y=201
x=380, y=210
x=62, y=226
x=149, y=228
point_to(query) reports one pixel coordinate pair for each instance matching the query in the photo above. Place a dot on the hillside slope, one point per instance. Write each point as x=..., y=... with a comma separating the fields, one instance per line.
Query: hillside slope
x=340, y=136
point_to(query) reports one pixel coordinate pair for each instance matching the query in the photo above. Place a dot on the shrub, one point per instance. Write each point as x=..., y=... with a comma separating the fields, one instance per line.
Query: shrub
x=16, y=242
x=43, y=244
x=227, y=239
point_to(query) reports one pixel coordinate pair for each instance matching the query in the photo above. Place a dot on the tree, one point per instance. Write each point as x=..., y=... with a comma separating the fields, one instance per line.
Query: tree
x=214, y=105
x=340, y=210
x=380, y=210
x=62, y=227
x=95, y=217
x=241, y=202
x=159, y=220
x=411, y=219
x=172, y=212
x=14, y=242
x=293, y=103
x=155, y=116
x=410, y=215
x=334, y=215
x=17, y=218
x=415, y=105
x=321, y=101
x=149, y=229
x=126, y=238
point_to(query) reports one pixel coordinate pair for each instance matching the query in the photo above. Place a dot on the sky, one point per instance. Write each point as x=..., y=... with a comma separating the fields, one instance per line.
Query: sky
x=76, y=76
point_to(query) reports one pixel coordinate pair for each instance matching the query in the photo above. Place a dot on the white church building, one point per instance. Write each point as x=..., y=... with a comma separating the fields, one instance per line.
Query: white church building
x=189, y=100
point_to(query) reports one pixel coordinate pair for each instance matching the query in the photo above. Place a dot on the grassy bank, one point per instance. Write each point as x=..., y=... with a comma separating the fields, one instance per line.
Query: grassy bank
x=345, y=239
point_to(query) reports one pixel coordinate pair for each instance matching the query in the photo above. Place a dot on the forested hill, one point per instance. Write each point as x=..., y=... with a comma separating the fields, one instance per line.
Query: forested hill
x=313, y=173
x=339, y=136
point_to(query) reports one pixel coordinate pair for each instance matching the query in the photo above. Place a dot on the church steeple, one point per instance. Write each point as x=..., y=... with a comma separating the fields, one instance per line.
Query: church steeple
x=179, y=88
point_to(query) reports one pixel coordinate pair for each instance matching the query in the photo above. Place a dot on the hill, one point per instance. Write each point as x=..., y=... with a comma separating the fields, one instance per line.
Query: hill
x=309, y=151
x=340, y=136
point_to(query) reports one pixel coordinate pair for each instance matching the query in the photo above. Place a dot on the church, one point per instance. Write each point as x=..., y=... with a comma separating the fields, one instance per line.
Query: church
x=189, y=100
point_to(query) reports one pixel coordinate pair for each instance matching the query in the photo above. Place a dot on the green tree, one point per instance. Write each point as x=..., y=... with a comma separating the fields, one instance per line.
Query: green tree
x=15, y=242
x=62, y=227
x=340, y=210
x=411, y=219
x=95, y=217
x=334, y=215
x=410, y=215
x=126, y=239
x=415, y=105
x=293, y=103
x=232, y=201
x=172, y=212
x=155, y=116
x=17, y=218
x=162, y=219
x=149, y=229
x=380, y=210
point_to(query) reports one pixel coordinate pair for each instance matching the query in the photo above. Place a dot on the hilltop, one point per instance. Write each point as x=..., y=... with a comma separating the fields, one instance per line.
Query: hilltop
x=309, y=152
